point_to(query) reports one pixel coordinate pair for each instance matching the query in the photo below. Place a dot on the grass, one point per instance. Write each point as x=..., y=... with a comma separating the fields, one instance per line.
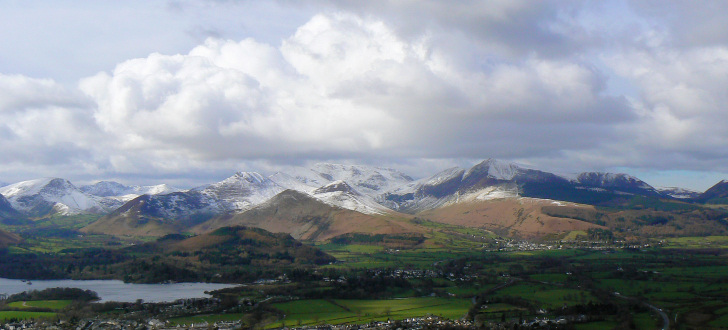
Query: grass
x=210, y=318
x=720, y=322
x=351, y=248
x=574, y=235
x=312, y=312
x=696, y=242
x=645, y=321
x=552, y=278
x=547, y=296
x=23, y=315
x=605, y=325
x=49, y=304
x=501, y=307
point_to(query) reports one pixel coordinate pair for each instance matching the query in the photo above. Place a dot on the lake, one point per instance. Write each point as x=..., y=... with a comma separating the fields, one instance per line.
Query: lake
x=114, y=290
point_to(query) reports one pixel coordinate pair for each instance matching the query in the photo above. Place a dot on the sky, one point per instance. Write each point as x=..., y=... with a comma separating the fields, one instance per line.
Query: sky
x=189, y=92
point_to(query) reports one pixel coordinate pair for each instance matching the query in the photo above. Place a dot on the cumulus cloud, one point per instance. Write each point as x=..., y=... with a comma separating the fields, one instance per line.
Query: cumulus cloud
x=43, y=125
x=401, y=82
x=346, y=85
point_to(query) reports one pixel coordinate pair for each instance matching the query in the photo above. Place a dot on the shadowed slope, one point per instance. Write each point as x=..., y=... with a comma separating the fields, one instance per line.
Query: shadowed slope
x=305, y=217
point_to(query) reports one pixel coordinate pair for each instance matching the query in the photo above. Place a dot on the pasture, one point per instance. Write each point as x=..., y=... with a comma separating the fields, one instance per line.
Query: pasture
x=47, y=304
x=344, y=311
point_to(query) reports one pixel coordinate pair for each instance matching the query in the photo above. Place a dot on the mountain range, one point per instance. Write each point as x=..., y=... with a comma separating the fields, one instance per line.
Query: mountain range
x=332, y=199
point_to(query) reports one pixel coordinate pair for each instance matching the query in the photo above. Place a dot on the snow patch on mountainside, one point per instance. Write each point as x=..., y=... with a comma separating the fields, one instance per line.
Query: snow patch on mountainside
x=497, y=169
x=340, y=194
x=444, y=176
x=299, y=182
x=619, y=182
x=494, y=192
x=241, y=191
x=57, y=194
x=115, y=189
x=679, y=193
x=368, y=180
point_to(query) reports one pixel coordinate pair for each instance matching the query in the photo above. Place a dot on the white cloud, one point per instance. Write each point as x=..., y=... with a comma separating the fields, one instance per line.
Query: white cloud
x=394, y=81
x=343, y=86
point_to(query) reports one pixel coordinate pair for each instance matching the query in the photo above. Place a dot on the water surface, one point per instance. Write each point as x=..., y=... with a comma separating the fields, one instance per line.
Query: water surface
x=114, y=290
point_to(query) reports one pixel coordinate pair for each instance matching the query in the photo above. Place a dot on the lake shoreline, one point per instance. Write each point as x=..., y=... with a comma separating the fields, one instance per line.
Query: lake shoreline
x=116, y=290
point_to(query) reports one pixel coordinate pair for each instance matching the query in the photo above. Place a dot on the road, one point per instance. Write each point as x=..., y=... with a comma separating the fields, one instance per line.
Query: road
x=665, y=319
x=663, y=315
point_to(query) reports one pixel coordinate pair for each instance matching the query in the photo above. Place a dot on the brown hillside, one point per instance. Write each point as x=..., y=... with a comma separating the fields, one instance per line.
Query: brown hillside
x=307, y=218
x=255, y=246
x=515, y=217
x=130, y=221
x=129, y=226
x=7, y=238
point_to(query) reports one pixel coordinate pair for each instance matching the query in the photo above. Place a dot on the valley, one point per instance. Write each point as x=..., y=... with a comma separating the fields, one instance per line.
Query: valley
x=495, y=245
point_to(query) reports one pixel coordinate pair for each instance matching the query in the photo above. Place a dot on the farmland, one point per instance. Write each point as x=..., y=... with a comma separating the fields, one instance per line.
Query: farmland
x=313, y=312
x=461, y=274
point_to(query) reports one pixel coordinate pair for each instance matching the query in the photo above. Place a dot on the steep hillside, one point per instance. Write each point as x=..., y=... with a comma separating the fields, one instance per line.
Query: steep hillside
x=305, y=217
x=717, y=194
x=493, y=179
x=157, y=215
x=241, y=245
x=651, y=217
x=7, y=212
x=240, y=191
x=154, y=215
x=514, y=217
x=368, y=180
x=42, y=197
x=679, y=193
x=7, y=238
x=616, y=182
x=341, y=194
x=123, y=192
x=490, y=179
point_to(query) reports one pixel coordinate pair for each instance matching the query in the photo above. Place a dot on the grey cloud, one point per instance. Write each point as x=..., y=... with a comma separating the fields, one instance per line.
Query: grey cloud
x=344, y=85
x=690, y=24
x=400, y=82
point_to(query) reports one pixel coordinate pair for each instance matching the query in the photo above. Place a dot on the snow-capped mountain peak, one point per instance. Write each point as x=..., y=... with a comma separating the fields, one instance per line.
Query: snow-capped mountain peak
x=105, y=189
x=444, y=176
x=341, y=194
x=241, y=191
x=338, y=185
x=156, y=189
x=368, y=180
x=48, y=195
x=115, y=189
x=605, y=179
x=495, y=169
x=679, y=193
x=251, y=177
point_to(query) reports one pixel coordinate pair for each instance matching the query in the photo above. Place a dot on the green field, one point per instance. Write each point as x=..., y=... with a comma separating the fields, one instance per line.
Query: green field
x=211, y=318
x=49, y=304
x=22, y=315
x=341, y=311
x=600, y=325
x=696, y=242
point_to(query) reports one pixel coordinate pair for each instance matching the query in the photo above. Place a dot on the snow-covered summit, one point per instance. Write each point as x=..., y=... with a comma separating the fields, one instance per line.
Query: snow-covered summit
x=616, y=181
x=300, y=179
x=368, y=180
x=114, y=189
x=444, y=176
x=338, y=185
x=495, y=169
x=679, y=193
x=47, y=195
x=241, y=191
x=341, y=194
